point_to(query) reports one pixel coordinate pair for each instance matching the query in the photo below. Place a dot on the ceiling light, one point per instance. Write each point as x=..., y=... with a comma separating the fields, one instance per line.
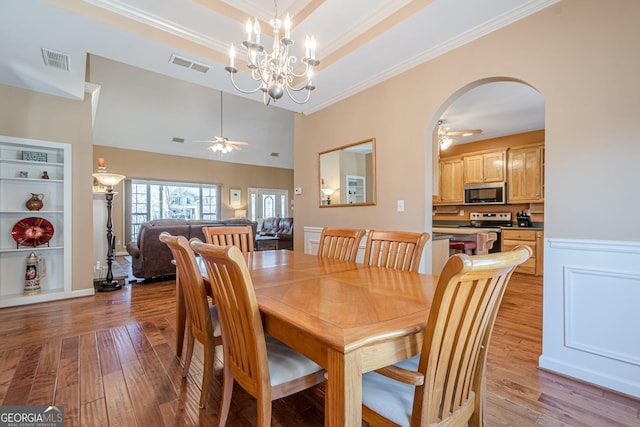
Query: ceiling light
x=274, y=71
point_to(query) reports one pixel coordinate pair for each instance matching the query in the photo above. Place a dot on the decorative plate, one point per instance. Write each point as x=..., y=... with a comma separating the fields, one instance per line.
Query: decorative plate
x=32, y=231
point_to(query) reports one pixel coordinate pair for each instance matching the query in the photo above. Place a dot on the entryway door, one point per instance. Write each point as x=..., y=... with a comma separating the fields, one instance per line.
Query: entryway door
x=267, y=203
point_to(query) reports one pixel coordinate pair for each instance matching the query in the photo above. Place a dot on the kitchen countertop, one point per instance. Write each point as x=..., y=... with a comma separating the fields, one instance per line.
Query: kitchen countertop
x=441, y=236
x=461, y=230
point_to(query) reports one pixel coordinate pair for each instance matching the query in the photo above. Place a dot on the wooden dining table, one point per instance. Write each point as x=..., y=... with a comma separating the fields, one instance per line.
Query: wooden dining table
x=347, y=317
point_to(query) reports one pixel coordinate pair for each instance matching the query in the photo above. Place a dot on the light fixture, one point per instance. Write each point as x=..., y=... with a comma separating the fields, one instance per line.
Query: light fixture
x=274, y=71
x=108, y=180
x=328, y=192
x=446, y=136
x=221, y=144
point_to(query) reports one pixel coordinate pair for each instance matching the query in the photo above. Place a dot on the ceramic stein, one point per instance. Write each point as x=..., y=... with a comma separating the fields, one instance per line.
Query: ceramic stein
x=35, y=202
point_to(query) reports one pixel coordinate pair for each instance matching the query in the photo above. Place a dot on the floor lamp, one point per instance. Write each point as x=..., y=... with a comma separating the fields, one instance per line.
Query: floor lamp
x=109, y=180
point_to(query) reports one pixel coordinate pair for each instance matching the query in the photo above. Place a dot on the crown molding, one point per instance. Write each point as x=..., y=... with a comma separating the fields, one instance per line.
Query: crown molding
x=451, y=44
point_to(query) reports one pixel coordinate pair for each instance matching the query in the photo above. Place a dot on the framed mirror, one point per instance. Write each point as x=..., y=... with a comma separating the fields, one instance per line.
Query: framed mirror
x=347, y=175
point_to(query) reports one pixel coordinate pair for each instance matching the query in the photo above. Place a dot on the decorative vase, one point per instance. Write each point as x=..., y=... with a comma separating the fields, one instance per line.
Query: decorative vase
x=35, y=202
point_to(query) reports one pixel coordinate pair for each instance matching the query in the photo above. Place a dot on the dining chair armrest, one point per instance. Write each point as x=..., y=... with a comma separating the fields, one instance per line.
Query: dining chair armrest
x=403, y=375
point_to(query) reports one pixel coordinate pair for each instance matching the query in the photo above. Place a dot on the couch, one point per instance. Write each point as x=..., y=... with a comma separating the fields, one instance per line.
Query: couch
x=150, y=258
x=282, y=228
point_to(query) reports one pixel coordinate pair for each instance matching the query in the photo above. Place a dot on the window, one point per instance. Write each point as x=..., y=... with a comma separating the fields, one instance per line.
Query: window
x=149, y=200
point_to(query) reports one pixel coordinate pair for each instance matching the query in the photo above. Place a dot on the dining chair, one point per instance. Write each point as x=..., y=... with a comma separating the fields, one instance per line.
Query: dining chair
x=265, y=367
x=400, y=250
x=240, y=236
x=445, y=384
x=201, y=318
x=340, y=243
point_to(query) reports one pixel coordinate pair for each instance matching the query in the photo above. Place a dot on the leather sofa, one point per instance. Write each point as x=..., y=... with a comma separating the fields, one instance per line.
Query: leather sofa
x=279, y=227
x=150, y=258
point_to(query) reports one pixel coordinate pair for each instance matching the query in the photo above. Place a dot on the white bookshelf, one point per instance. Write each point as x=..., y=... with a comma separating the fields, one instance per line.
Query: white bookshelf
x=15, y=190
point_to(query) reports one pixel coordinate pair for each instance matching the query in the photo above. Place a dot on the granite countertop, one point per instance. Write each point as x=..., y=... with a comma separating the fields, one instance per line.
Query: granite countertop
x=441, y=236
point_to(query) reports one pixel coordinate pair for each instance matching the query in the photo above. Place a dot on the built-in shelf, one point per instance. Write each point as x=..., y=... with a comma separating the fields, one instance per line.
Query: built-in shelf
x=18, y=180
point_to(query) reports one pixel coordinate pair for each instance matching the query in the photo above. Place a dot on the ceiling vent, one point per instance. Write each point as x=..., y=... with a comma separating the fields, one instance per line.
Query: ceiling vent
x=176, y=139
x=187, y=63
x=55, y=59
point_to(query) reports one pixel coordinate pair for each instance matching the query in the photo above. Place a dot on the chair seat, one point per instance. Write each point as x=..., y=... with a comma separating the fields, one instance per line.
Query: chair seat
x=286, y=364
x=390, y=398
x=462, y=245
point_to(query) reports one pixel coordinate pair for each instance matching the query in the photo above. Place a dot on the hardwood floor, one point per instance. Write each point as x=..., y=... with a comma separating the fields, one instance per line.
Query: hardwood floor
x=110, y=360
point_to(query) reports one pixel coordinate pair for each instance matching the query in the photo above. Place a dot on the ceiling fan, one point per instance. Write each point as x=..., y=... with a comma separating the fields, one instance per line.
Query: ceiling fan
x=446, y=136
x=222, y=144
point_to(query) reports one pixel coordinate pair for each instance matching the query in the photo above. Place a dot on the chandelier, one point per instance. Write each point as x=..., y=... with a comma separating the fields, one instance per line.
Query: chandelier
x=274, y=71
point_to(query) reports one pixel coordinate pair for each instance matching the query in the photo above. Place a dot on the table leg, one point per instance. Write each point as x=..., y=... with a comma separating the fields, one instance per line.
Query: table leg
x=343, y=399
x=181, y=316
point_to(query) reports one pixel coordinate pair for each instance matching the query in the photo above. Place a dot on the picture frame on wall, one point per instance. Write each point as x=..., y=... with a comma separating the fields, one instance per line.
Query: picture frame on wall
x=234, y=197
x=34, y=156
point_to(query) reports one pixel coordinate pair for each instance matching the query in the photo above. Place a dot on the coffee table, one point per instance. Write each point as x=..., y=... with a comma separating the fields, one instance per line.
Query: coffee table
x=266, y=243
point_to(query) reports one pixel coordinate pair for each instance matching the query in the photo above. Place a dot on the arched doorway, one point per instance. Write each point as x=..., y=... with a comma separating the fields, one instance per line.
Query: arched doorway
x=506, y=117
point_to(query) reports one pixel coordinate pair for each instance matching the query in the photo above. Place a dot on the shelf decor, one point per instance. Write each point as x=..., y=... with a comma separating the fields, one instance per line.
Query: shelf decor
x=32, y=231
x=34, y=156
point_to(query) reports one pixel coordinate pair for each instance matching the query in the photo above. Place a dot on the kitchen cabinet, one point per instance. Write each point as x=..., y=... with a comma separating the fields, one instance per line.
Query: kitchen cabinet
x=485, y=167
x=43, y=168
x=531, y=238
x=525, y=174
x=451, y=181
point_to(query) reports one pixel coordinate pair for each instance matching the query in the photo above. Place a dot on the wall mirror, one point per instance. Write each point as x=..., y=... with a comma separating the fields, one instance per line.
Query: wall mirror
x=347, y=175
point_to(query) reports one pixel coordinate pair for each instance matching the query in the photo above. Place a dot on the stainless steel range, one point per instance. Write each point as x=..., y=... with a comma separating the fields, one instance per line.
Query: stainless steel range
x=492, y=221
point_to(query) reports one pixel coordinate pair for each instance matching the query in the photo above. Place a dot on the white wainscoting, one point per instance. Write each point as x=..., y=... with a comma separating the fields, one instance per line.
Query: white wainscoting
x=591, y=312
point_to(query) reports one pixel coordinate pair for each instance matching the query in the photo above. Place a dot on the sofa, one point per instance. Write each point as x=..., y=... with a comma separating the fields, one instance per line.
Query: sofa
x=282, y=228
x=150, y=258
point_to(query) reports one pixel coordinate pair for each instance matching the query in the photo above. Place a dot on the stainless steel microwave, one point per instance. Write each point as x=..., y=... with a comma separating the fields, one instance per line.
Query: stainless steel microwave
x=492, y=193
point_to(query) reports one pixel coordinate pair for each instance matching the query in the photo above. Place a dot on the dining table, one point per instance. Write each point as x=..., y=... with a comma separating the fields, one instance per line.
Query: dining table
x=348, y=317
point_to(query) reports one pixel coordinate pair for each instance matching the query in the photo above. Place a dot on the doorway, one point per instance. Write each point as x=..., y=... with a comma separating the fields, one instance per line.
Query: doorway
x=267, y=203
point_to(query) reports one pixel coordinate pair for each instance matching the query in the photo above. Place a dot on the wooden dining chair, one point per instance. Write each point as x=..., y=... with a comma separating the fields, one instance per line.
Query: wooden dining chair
x=265, y=367
x=240, y=236
x=400, y=250
x=445, y=384
x=201, y=318
x=340, y=243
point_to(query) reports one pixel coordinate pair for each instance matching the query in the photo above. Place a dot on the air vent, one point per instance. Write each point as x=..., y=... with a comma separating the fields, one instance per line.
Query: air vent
x=176, y=139
x=188, y=63
x=274, y=154
x=55, y=59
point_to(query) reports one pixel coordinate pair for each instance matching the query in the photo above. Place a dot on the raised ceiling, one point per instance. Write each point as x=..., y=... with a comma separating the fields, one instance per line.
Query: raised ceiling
x=360, y=42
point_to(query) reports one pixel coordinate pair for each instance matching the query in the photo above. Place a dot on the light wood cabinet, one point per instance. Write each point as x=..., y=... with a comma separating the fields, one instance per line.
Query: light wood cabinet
x=525, y=176
x=485, y=167
x=531, y=238
x=451, y=181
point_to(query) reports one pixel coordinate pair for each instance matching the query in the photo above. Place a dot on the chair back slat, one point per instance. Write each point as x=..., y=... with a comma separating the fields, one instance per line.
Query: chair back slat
x=191, y=282
x=461, y=320
x=245, y=352
x=240, y=236
x=340, y=243
x=400, y=250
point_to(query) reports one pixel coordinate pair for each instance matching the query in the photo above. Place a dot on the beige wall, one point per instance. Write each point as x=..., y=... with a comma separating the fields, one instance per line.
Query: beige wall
x=27, y=114
x=580, y=54
x=146, y=165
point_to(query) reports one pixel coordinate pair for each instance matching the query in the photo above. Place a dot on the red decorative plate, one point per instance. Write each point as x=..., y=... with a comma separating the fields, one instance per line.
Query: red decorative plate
x=32, y=231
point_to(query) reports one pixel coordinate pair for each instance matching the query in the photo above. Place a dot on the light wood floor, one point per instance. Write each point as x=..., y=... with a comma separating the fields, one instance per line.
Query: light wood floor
x=110, y=360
